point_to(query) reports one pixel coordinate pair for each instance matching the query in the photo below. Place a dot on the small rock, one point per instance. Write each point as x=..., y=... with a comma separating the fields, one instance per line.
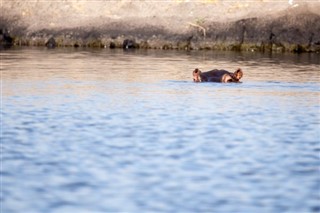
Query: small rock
x=51, y=43
x=112, y=45
x=129, y=44
x=5, y=39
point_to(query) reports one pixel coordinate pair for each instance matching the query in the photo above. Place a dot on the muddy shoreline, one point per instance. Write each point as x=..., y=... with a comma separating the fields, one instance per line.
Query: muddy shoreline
x=295, y=30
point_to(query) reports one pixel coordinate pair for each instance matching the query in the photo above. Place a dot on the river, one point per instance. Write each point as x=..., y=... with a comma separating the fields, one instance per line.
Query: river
x=99, y=130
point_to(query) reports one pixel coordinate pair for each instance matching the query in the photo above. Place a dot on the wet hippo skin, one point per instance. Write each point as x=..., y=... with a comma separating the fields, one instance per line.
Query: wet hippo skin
x=222, y=76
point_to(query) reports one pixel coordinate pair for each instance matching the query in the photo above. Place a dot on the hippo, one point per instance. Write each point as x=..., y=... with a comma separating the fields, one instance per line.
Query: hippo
x=222, y=76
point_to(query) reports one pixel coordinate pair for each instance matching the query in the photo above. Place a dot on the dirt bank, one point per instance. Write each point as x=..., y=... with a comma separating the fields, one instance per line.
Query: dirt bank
x=261, y=25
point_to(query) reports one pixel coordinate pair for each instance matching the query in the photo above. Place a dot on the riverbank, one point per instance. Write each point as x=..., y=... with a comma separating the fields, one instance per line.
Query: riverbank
x=281, y=26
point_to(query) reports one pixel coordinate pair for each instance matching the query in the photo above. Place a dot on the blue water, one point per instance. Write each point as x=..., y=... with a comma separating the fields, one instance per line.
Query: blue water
x=113, y=131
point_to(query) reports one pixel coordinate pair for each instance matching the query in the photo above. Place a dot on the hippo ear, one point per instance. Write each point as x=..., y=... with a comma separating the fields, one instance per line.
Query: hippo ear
x=196, y=75
x=196, y=71
x=238, y=73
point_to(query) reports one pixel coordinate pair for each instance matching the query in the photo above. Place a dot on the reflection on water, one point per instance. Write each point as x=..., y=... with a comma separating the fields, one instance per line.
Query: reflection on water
x=114, y=131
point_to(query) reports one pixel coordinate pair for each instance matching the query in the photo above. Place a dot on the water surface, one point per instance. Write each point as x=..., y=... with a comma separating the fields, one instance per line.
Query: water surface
x=116, y=131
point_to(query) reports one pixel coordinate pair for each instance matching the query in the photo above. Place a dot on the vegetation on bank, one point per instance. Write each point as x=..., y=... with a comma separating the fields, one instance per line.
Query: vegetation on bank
x=159, y=43
x=154, y=43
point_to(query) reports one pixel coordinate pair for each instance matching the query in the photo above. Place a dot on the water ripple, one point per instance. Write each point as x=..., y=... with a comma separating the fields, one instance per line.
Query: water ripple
x=117, y=132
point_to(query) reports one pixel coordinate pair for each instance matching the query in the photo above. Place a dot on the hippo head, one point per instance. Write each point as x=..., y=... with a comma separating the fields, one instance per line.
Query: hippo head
x=196, y=75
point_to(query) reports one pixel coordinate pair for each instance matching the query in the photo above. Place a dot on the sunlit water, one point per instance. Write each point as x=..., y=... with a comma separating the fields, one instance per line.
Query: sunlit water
x=113, y=131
